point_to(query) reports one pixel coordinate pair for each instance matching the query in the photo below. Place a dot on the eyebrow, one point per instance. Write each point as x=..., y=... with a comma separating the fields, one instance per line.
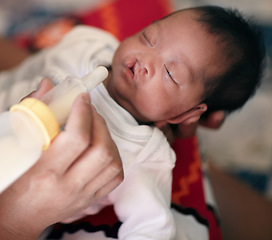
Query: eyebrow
x=193, y=79
x=184, y=60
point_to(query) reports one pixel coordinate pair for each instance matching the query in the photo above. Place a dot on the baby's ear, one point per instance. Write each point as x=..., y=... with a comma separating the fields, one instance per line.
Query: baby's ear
x=191, y=116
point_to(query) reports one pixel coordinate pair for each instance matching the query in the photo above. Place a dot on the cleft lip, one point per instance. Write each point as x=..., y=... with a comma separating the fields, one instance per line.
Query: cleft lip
x=131, y=68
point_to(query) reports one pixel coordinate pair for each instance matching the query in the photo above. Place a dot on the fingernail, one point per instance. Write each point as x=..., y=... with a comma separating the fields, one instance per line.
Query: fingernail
x=86, y=98
x=39, y=86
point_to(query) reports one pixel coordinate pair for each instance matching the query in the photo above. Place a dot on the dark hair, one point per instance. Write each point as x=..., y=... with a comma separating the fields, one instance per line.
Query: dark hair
x=243, y=45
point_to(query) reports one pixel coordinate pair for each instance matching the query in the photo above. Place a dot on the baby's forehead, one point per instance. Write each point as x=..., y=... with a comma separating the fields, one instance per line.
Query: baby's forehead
x=183, y=22
x=183, y=19
x=191, y=13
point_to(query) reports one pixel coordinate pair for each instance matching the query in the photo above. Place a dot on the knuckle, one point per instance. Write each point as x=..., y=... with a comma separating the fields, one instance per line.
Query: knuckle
x=101, y=119
x=45, y=180
x=73, y=186
x=105, y=155
x=120, y=177
x=110, y=157
x=73, y=189
x=77, y=141
x=82, y=139
x=116, y=167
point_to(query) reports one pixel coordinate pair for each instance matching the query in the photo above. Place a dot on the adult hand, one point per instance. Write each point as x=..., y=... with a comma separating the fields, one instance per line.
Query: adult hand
x=81, y=165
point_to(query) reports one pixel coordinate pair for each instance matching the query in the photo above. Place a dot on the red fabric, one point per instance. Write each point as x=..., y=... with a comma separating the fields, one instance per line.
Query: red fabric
x=124, y=18
x=188, y=185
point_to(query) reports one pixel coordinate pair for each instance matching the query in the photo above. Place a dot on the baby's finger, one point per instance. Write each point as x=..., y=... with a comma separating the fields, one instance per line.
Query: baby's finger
x=45, y=85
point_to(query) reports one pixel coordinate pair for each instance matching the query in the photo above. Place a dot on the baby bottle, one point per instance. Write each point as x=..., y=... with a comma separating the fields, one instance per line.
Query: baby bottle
x=28, y=128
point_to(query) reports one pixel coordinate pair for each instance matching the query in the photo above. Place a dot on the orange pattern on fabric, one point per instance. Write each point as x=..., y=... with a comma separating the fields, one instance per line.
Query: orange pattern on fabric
x=109, y=19
x=52, y=33
x=167, y=6
x=192, y=177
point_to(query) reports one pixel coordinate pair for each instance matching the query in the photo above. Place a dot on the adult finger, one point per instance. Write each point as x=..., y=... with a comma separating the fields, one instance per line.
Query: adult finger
x=45, y=85
x=101, y=162
x=74, y=140
x=101, y=185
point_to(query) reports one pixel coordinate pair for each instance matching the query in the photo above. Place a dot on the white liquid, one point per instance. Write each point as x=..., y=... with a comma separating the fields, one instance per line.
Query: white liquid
x=19, y=149
x=15, y=160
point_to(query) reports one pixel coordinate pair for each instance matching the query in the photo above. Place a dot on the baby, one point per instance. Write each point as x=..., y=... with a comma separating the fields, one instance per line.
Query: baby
x=175, y=70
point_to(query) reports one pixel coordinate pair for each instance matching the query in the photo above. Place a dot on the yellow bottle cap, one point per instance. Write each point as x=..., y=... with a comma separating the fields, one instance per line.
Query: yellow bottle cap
x=42, y=115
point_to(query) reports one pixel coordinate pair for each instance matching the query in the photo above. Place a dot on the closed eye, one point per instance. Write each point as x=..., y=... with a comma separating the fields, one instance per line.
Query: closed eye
x=170, y=75
x=147, y=39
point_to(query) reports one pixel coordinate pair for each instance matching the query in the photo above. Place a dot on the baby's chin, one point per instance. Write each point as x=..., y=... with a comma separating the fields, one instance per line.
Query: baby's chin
x=149, y=123
x=145, y=120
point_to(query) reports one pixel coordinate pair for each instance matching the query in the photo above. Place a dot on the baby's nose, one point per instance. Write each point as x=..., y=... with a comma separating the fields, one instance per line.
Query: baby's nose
x=147, y=66
x=140, y=69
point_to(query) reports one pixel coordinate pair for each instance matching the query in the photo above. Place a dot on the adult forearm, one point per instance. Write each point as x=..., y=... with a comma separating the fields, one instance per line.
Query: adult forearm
x=9, y=235
x=13, y=231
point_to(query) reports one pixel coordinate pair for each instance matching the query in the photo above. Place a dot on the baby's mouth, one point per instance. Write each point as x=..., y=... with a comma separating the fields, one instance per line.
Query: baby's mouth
x=132, y=70
x=132, y=74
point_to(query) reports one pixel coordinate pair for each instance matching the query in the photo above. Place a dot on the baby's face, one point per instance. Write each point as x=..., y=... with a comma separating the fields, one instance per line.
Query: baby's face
x=158, y=73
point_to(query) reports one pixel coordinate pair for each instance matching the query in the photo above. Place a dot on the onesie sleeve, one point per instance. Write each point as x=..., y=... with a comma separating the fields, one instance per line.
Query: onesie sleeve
x=142, y=201
x=19, y=82
x=75, y=55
